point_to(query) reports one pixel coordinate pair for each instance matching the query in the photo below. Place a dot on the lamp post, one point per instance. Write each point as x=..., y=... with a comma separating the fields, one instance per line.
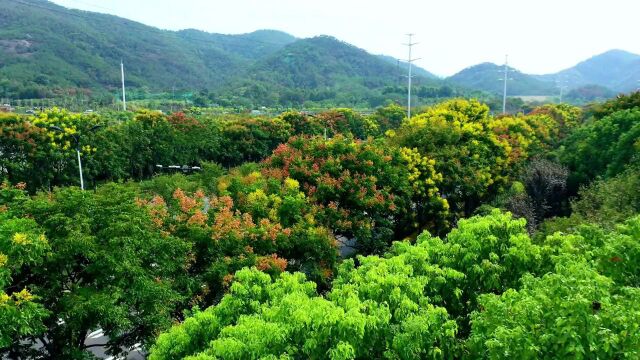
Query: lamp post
x=76, y=139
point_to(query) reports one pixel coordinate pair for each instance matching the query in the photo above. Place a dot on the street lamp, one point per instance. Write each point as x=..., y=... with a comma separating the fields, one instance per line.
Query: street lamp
x=76, y=138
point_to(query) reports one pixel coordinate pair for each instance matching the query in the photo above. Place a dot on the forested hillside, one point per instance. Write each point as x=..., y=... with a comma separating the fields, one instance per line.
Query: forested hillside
x=616, y=70
x=487, y=77
x=49, y=51
x=318, y=69
x=47, y=46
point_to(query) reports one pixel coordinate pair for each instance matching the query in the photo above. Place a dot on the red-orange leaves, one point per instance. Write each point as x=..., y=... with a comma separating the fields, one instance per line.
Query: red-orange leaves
x=272, y=262
x=361, y=188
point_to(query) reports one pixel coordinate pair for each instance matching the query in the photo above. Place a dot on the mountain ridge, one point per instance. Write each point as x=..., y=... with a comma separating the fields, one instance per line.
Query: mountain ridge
x=46, y=48
x=488, y=77
x=616, y=70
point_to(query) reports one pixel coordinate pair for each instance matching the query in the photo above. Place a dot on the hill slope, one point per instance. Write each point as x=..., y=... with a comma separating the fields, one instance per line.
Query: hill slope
x=404, y=66
x=617, y=70
x=44, y=46
x=486, y=77
x=249, y=46
x=318, y=69
x=48, y=45
x=323, y=61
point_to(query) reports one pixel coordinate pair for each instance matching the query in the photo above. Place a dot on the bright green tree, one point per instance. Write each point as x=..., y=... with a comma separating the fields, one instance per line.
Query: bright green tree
x=573, y=313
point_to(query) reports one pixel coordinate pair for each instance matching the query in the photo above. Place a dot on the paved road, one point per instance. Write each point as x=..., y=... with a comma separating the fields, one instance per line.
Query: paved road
x=98, y=337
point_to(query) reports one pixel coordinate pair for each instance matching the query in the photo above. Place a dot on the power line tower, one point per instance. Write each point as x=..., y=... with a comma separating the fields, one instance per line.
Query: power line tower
x=124, y=97
x=410, y=62
x=561, y=83
x=506, y=77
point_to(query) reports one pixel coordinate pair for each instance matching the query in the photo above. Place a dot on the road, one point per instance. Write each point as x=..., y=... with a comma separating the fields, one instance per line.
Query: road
x=98, y=337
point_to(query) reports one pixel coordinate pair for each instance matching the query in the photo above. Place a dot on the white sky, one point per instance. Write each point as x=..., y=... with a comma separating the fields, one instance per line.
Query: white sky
x=540, y=36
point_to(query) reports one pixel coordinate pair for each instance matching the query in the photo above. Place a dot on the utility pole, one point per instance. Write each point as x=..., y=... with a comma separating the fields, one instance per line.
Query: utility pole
x=80, y=166
x=504, y=92
x=76, y=139
x=173, y=96
x=124, y=97
x=410, y=62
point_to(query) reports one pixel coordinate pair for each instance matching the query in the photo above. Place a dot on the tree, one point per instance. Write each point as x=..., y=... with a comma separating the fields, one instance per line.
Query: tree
x=378, y=310
x=602, y=147
x=546, y=185
x=249, y=220
x=493, y=252
x=22, y=246
x=363, y=189
x=40, y=156
x=620, y=102
x=568, y=117
x=608, y=202
x=473, y=294
x=468, y=154
x=389, y=117
x=347, y=122
x=105, y=266
x=248, y=140
x=574, y=313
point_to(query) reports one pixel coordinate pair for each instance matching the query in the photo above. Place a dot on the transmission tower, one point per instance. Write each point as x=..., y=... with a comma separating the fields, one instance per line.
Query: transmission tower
x=124, y=97
x=410, y=61
x=506, y=77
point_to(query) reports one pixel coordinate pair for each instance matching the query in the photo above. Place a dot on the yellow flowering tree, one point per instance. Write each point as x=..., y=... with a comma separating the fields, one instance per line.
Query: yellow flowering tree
x=431, y=208
x=65, y=131
x=22, y=245
x=458, y=136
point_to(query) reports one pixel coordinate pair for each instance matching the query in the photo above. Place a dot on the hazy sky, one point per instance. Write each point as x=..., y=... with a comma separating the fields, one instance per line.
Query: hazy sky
x=540, y=36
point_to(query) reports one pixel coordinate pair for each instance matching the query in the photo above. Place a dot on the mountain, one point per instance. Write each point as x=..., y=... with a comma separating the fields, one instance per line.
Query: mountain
x=589, y=93
x=249, y=46
x=323, y=61
x=318, y=69
x=597, y=77
x=403, y=67
x=47, y=48
x=487, y=77
x=43, y=44
x=617, y=70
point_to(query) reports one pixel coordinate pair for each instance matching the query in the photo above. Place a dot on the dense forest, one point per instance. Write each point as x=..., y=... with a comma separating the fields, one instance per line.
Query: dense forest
x=454, y=234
